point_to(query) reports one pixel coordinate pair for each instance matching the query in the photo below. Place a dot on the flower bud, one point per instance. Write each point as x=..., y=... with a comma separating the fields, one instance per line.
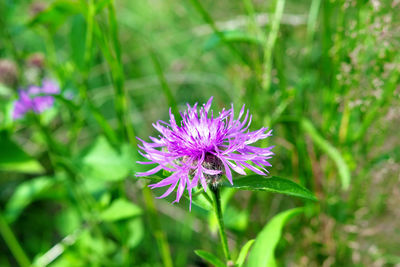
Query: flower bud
x=36, y=60
x=37, y=7
x=8, y=72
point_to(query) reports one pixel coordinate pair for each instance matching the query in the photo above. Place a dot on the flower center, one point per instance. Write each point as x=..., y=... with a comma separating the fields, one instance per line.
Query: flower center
x=212, y=162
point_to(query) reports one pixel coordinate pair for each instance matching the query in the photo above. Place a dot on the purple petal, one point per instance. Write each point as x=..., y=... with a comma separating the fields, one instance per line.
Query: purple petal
x=150, y=172
x=170, y=189
x=181, y=147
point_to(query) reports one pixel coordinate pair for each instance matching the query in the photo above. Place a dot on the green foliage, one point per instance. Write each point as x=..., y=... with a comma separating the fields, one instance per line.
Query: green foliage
x=272, y=184
x=262, y=252
x=243, y=253
x=78, y=44
x=325, y=146
x=210, y=258
x=102, y=161
x=26, y=193
x=232, y=37
x=136, y=232
x=323, y=75
x=14, y=158
x=56, y=14
x=120, y=209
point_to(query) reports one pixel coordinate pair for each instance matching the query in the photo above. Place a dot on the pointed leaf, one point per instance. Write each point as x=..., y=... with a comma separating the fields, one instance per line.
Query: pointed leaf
x=272, y=184
x=78, y=29
x=102, y=161
x=136, y=232
x=330, y=150
x=201, y=202
x=233, y=36
x=14, y=158
x=262, y=253
x=56, y=14
x=120, y=209
x=243, y=252
x=25, y=194
x=210, y=258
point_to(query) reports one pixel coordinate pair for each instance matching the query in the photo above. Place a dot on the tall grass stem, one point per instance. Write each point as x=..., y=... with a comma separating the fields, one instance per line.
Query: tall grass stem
x=121, y=102
x=270, y=43
x=164, y=84
x=12, y=243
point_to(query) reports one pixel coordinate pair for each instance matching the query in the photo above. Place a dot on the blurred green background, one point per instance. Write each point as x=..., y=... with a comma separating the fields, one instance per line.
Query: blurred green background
x=323, y=74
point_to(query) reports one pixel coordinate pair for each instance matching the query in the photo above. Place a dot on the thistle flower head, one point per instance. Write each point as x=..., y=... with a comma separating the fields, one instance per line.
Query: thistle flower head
x=8, y=72
x=35, y=98
x=203, y=148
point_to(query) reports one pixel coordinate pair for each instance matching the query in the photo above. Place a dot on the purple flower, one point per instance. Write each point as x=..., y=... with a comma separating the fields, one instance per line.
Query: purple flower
x=35, y=98
x=204, y=148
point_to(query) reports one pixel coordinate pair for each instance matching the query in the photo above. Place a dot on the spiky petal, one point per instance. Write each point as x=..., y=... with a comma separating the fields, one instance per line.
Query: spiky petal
x=203, y=148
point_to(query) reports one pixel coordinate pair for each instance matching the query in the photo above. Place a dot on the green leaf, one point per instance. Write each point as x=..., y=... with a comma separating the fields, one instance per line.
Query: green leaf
x=235, y=219
x=25, y=194
x=120, y=209
x=243, y=253
x=233, y=36
x=201, y=201
x=104, y=162
x=6, y=109
x=100, y=5
x=330, y=150
x=210, y=258
x=78, y=40
x=5, y=91
x=262, y=253
x=272, y=184
x=56, y=14
x=14, y=158
x=135, y=232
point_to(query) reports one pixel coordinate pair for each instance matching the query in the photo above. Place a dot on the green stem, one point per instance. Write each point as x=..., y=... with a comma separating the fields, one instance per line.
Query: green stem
x=53, y=146
x=84, y=88
x=57, y=153
x=12, y=243
x=121, y=101
x=221, y=226
x=270, y=43
x=89, y=35
x=164, y=85
x=312, y=20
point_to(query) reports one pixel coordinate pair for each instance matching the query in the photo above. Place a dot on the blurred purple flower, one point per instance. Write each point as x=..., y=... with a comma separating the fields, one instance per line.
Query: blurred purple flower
x=35, y=98
x=204, y=148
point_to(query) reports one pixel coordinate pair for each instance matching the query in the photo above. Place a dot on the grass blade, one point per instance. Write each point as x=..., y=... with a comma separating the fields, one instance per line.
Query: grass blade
x=269, y=46
x=330, y=150
x=210, y=21
x=164, y=84
x=210, y=258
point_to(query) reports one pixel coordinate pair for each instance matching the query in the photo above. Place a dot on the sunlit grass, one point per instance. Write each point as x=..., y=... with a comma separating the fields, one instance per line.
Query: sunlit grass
x=324, y=75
